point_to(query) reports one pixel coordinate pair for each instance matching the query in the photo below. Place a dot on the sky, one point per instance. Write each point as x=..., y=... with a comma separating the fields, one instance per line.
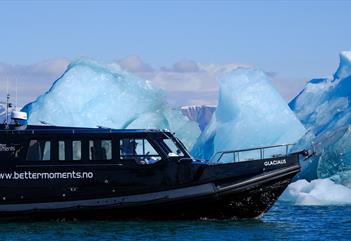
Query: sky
x=293, y=41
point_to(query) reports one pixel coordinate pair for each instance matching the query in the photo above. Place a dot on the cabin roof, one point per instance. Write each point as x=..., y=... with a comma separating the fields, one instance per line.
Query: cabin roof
x=78, y=130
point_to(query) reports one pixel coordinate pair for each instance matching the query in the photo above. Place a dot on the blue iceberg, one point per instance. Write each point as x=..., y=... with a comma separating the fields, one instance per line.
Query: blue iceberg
x=250, y=113
x=200, y=114
x=318, y=192
x=2, y=112
x=323, y=106
x=91, y=94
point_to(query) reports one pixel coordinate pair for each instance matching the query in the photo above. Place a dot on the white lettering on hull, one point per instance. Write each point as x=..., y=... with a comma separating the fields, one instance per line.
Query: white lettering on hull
x=275, y=162
x=27, y=175
x=5, y=148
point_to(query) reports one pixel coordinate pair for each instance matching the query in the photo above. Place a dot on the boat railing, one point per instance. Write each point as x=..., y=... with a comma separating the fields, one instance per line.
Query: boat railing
x=251, y=153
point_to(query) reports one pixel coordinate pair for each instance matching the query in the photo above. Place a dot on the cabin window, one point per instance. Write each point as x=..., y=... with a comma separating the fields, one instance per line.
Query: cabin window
x=39, y=150
x=139, y=149
x=100, y=150
x=173, y=148
x=70, y=150
x=61, y=151
x=77, y=150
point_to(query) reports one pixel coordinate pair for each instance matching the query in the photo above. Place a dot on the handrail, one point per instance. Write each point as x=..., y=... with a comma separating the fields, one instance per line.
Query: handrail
x=236, y=152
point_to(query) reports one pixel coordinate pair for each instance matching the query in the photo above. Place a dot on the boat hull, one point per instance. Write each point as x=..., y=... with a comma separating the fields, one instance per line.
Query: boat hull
x=246, y=199
x=100, y=173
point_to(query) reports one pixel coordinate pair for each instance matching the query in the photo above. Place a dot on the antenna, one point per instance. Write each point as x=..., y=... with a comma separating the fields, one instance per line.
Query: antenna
x=8, y=105
x=7, y=101
x=16, y=94
x=17, y=117
x=7, y=85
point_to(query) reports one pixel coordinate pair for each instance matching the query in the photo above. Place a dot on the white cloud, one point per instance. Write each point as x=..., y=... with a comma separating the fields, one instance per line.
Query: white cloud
x=186, y=82
x=32, y=80
x=183, y=66
x=134, y=64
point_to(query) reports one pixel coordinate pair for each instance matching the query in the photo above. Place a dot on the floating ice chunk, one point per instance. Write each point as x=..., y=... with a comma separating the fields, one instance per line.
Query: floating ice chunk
x=317, y=192
x=250, y=113
x=91, y=94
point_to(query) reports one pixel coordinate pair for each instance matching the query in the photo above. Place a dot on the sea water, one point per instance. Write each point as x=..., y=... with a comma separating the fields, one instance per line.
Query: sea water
x=283, y=222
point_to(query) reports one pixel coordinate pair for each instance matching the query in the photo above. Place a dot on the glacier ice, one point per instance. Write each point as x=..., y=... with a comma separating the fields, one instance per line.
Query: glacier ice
x=200, y=114
x=317, y=192
x=323, y=106
x=2, y=112
x=250, y=113
x=92, y=94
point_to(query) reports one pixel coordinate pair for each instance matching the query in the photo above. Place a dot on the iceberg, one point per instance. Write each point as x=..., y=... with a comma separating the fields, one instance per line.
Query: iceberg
x=323, y=106
x=318, y=192
x=2, y=112
x=200, y=114
x=91, y=94
x=250, y=113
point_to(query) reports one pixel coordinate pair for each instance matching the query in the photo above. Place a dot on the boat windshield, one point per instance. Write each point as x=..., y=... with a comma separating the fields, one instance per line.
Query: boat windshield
x=172, y=147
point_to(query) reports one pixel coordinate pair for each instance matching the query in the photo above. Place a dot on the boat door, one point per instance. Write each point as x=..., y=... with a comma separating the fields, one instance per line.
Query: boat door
x=177, y=155
x=143, y=164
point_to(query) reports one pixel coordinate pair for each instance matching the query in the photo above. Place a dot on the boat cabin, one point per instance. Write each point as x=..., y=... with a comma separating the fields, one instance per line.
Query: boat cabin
x=40, y=144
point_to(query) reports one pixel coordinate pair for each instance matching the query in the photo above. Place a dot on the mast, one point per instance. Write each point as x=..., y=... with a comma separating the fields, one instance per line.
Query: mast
x=7, y=108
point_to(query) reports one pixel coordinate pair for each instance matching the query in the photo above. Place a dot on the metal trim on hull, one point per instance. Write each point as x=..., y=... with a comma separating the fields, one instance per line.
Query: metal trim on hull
x=171, y=194
x=260, y=178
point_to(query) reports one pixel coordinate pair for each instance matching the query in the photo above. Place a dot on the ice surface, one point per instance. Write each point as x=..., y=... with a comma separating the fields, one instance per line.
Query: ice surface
x=250, y=113
x=92, y=94
x=344, y=69
x=317, y=192
x=324, y=103
x=201, y=114
x=324, y=108
x=2, y=112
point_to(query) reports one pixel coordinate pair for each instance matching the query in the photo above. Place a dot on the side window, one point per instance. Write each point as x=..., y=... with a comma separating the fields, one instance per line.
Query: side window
x=69, y=150
x=100, y=150
x=61, y=151
x=77, y=150
x=39, y=150
x=173, y=148
x=139, y=149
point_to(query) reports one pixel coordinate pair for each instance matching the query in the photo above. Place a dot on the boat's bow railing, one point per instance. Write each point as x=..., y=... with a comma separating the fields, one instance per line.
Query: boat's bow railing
x=251, y=153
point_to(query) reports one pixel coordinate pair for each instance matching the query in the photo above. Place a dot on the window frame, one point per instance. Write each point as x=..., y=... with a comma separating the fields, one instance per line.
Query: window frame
x=66, y=142
x=39, y=139
x=101, y=139
x=169, y=149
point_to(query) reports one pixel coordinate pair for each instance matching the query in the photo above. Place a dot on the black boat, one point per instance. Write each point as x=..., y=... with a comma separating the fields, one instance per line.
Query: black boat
x=107, y=173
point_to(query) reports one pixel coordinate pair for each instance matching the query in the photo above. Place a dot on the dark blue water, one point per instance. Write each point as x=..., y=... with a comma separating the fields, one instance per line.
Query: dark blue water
x=282, y=222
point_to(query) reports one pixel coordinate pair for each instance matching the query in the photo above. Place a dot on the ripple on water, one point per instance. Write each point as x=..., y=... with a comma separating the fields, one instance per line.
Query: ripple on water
x=282, y=222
